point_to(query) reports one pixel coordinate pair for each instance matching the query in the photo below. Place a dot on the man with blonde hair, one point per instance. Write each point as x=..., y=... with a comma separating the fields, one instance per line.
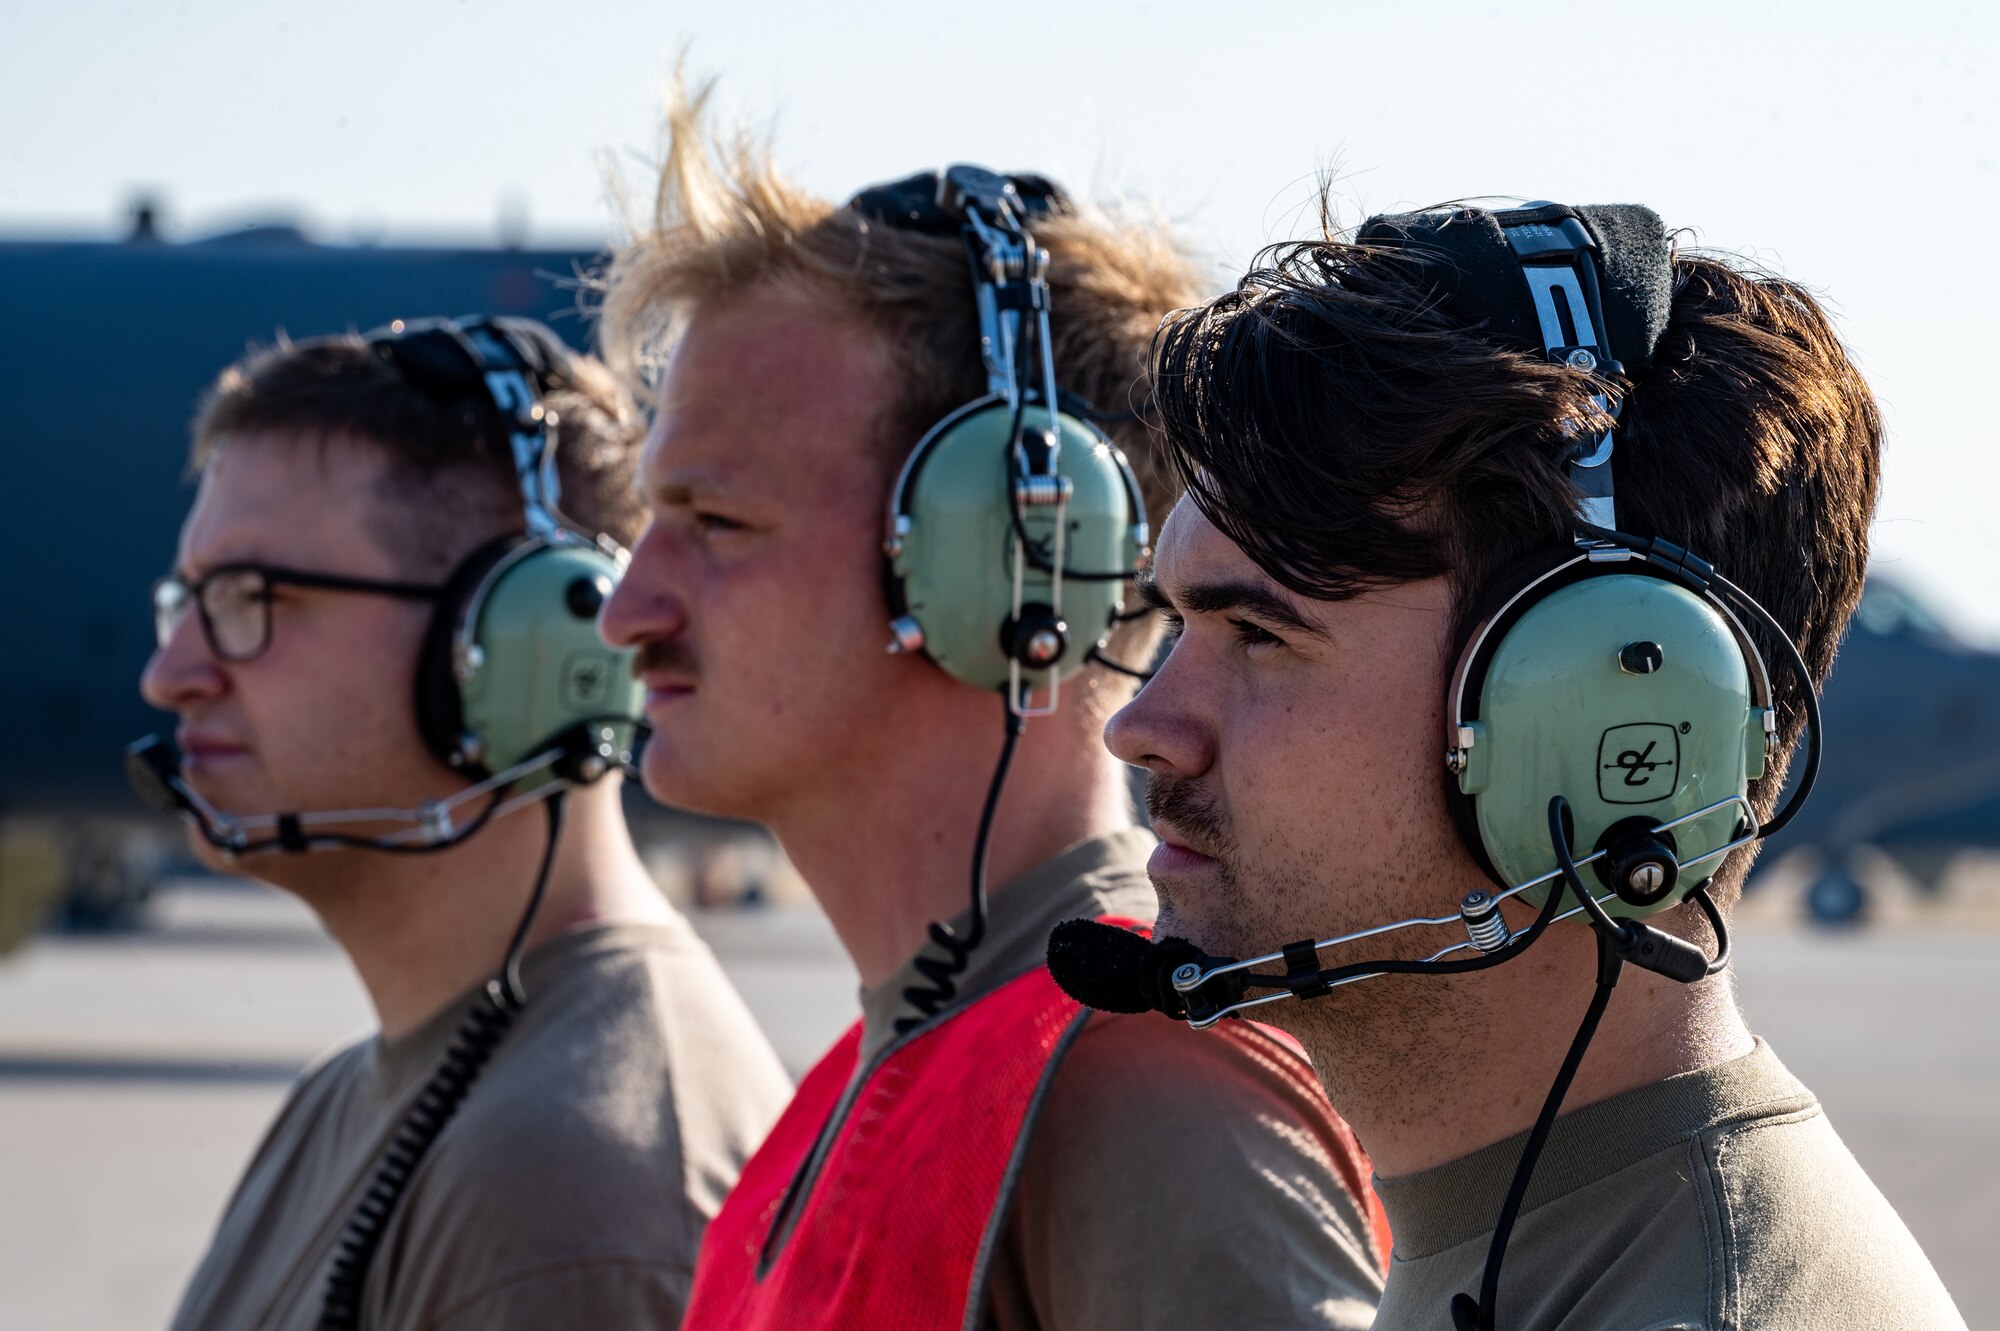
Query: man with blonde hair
x=978, y=1151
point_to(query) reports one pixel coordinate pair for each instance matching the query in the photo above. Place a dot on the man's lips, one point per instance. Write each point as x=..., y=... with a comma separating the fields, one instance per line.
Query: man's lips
x=1174, y=855
x=661, y=690
x=206, y=748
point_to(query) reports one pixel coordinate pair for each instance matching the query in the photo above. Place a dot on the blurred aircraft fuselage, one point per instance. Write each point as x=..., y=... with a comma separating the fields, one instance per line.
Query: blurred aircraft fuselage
x=108, y=345
x=104, y=352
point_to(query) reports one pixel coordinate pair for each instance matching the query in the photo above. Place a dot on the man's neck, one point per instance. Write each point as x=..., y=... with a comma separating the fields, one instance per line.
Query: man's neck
x=421, y=930
x=888, y=855
x=1428, y=1069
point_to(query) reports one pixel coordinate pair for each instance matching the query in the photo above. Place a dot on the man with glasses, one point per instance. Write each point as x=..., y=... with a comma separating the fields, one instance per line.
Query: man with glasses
x=337, y=497
x=234, y=602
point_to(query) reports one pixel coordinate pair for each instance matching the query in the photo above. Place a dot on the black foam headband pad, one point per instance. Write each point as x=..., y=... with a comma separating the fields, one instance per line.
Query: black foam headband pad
x=911, y=204
x=1478, y=277
x=449, y=358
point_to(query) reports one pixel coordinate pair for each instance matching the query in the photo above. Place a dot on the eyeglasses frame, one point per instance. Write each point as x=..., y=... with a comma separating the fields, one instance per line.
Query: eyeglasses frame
x=274, y=576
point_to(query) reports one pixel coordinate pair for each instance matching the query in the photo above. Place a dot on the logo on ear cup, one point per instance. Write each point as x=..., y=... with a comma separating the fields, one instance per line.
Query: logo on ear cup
x=1638, y=763
x=586, y=679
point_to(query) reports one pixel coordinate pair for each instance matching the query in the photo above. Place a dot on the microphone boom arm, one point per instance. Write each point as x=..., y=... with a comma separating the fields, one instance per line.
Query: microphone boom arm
x=579, y=756
x=1191, y=979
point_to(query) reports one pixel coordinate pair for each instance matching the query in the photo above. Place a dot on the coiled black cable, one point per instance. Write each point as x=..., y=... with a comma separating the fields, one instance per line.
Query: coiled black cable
x=943, y=972
x=1613, y=939
x=499, y=1003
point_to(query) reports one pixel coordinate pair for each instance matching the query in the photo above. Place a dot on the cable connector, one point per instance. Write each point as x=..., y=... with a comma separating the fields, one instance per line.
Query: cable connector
x=1661, y=952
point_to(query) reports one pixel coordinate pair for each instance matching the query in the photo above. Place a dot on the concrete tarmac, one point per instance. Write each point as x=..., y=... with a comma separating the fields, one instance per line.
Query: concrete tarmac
x=137, y=1071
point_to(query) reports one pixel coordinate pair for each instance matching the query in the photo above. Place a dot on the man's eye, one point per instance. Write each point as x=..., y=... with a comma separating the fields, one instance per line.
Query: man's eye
x=1175, y=627
x=713, y=523
x=1254, y=635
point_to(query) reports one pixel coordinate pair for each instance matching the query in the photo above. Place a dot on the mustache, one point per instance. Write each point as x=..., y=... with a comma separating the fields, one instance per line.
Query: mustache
x=668, y=656
x=1180, y=804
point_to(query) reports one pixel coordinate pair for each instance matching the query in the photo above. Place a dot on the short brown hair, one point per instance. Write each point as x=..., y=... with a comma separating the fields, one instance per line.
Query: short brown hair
x=1347, y=433
x=723, y=220
x=450, y=485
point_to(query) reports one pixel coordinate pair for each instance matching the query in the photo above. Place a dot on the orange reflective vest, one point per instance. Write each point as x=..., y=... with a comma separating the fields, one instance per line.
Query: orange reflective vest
x=895, y=1229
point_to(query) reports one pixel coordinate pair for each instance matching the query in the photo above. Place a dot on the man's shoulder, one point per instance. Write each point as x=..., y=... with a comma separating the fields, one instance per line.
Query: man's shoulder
x=598, y=1142
x=1202, y=1112
x=1804, y=1237
x=637, y=1014
x=1119, y=1060
x=1146, y=1122
x=317, y=1099
x=628, y=1082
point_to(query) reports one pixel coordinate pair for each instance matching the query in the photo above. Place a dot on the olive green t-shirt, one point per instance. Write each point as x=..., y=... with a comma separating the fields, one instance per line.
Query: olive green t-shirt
x=1170, y=1179
x=571, y=1188
x=1712, y=1201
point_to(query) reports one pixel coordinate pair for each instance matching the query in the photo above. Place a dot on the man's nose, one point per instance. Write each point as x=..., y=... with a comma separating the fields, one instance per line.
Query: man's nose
x=182, y=670
x=1161, y=729
x=643, y=608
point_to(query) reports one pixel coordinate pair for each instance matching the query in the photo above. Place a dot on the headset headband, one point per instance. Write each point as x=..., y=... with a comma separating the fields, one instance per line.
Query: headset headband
x=1010, y=289
x=914, y=203
x=504, y=364
x=1569, y=283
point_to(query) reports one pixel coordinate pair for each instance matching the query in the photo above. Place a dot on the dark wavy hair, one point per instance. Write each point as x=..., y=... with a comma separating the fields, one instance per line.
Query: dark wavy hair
x=1348, y=434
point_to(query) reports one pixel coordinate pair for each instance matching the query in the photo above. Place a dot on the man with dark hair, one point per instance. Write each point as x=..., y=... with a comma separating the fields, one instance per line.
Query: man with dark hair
x=978, y=1151
x=341, y=494
x=1384, y=439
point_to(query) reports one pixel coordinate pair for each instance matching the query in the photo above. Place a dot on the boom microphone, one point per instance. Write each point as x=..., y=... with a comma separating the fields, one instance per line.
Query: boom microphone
x=575, y=757
x=1115, y=970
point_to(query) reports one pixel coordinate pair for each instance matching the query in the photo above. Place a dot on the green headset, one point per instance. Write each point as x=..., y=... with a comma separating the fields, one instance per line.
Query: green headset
x=1618, y=671
x=1608, y=698
x=512, y=666
x=1014, y=523
x=1613, y=697
x=514, y=688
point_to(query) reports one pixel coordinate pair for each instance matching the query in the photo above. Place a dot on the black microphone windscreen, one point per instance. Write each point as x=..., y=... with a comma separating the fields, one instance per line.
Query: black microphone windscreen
x=150, y=765
x=1104, y=967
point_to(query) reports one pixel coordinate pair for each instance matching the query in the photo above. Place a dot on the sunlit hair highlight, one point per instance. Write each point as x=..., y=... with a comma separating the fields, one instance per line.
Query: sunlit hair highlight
x=722, y=220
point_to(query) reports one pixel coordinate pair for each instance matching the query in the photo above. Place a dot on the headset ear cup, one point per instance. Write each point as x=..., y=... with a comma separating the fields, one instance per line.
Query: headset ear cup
x=1624, y=690
x=1462, y=807
x=950, y=575
x=440, y=707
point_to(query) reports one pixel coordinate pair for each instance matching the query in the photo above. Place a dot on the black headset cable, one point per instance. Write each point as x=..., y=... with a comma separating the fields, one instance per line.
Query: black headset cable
x=1615, y=944
x=1720, y=926
x=1466, y=1314
x=1036, y=559
x=1814, y=728
x=943, y=972
x=499, y=1003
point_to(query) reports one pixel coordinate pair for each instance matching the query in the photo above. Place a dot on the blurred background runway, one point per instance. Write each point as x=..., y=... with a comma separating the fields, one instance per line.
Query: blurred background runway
x=138, y=1068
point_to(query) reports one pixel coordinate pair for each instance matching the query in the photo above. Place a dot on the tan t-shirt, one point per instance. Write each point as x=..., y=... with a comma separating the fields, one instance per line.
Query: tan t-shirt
x=572, y=1187
x=1171, y=1179
x=1712, y=1201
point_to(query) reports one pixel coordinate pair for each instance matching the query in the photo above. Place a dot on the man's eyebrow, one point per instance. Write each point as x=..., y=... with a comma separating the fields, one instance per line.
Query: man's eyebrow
x=676, y=490
x=1215, y=598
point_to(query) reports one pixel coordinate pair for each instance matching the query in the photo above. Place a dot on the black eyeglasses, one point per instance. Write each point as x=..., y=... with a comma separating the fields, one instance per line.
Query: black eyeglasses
x=235, y=603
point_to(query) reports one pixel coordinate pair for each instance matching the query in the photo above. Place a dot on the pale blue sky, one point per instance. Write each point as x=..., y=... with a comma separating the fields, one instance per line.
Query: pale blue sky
x=1854, y=147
